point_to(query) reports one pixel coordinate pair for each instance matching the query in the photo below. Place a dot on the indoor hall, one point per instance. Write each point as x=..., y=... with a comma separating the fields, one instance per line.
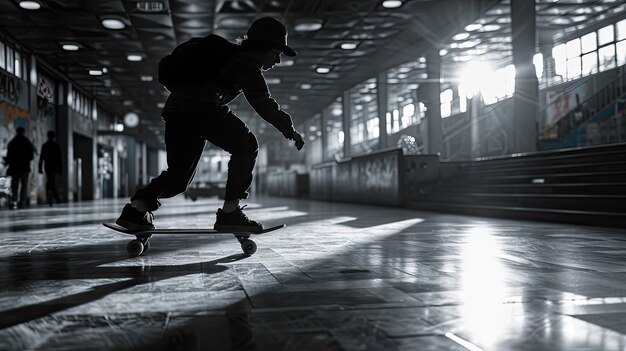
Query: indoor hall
x=339, y=277
x=450, y=174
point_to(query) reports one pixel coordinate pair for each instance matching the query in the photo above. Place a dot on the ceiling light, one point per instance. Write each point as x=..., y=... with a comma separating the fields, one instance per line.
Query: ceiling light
x=272, y=81
x=490, y=28
x=105, y=70
x=461, y=36
x=443, y=52
x=134, y=57
x=293, y=98
x=160, y=104
x=146, y=78
x=473, y=27
x=348, y=46
x=287, y=62
x=308, y=25
x=30, y=5
x=70, y=46
x=306, y=86
x=113, y=23
x=322, y=69
x=95, y=72
x=392, y=4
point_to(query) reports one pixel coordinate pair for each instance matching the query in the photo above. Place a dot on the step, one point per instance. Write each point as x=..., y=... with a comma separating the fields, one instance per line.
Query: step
x=560, y=178
x=614, y=156
x=548, y=169
x=617, y=188
x=595, y=218
x=600, y=203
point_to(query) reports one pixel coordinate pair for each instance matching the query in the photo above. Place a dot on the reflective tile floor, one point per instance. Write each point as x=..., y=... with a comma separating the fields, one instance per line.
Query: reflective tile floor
x=339, y=277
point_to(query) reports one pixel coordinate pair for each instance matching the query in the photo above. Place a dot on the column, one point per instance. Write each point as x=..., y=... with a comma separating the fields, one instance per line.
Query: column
x=347, y=116
x=526, y=97
x=432, y=91
x=381, y=82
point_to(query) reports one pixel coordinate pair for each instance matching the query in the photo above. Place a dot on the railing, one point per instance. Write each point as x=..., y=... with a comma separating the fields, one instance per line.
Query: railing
x=587, y=109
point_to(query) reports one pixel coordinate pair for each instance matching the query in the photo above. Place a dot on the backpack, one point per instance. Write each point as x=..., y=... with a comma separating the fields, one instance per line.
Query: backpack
x=195, y=61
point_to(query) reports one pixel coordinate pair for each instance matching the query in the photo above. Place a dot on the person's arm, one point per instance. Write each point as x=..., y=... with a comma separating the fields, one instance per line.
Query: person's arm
x=258, y=96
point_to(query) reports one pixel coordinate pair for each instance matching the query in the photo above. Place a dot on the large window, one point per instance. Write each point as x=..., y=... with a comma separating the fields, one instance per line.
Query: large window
x=402, y=104
x=12, y=61
x=593, y=52
x=363, y=104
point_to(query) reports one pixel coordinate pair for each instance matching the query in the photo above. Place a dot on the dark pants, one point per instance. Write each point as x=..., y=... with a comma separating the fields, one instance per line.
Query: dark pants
x=51, y=186
x=16, y=180
x=185, y=138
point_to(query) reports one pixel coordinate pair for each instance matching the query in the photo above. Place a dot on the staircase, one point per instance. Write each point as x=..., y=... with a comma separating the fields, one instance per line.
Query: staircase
x=580, y=185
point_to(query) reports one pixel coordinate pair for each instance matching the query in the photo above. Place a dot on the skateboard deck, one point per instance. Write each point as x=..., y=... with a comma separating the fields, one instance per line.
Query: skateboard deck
x=141, y=243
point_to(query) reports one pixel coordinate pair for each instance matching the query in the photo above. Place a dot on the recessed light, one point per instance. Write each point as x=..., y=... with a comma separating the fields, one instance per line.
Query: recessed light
x=308, y=25
x=134, y=57
x=306, y=86
x=272, y=81
x=443, y=52
x=322, y=69
x=95, y=72
x=112, y=23
x=146, y=78
x=70, y=46
x=473, y=27
x=392, y=4
x=348, y=46
x=461, y=36
x=30, y=5
x=160, y=104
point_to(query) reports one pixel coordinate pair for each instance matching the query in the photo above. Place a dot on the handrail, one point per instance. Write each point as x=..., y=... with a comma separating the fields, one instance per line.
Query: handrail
x=585, y=110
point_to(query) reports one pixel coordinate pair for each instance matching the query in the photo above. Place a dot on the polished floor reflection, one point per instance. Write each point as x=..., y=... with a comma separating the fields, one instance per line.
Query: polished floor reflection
x=339, y=277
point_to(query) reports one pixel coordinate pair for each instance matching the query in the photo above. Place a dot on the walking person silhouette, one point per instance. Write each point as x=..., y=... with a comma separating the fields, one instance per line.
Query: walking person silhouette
x=197, y=112
x=20, y=152
x=51, y=161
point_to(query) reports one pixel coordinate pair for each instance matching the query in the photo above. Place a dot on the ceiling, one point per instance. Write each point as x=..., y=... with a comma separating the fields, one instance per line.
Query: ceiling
x=384, y=38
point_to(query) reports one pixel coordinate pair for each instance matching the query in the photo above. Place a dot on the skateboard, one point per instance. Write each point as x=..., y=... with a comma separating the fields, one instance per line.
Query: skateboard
x=141, y=244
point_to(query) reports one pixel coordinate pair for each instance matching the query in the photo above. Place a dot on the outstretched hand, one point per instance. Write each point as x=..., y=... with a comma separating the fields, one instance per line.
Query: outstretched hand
x=297, y=137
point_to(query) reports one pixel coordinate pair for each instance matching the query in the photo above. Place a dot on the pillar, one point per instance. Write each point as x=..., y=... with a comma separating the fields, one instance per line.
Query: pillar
x=347, y=116
x=432, y=91
x=381, y=82
x=526, y=97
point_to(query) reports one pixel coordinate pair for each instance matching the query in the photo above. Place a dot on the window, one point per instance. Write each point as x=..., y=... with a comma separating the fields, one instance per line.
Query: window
x=10, y=59
x=2, y=57
x=621, y=30
x=590, y=63
x=18, y=65
x=373, y=131
x=589, y=43
x=560, y=60
x=446, y=103
x=621, y=52
x=573, y=48
x=606, y=56
x=462, y=98
x=573, y=68
x=538, y=62
x=606, y=35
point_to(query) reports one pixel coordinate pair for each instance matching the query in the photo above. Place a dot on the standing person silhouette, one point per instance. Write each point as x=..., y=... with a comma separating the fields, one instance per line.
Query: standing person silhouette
x=20, y=152
x=50, y=160
x=197, y=113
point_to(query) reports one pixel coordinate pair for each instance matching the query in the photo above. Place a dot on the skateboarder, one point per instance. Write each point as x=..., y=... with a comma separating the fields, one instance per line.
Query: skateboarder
x=197, y=113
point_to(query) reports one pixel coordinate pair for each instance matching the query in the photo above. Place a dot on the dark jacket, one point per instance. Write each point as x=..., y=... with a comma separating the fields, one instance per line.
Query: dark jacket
x=20, y=152
x=241, y=74
x=51, y=157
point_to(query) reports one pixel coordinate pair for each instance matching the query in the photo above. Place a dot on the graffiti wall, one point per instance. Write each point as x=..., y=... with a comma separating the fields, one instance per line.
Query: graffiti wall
x=14, y=111
x=373, y=178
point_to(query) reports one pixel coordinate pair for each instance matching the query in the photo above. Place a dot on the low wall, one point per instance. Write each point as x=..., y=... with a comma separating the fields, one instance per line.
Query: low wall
x=287, y=184
x=373, y=179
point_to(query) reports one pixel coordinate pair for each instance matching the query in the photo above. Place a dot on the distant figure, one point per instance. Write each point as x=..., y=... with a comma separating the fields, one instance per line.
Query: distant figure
x=198, y=112
x=50, y=161
x=20, y=152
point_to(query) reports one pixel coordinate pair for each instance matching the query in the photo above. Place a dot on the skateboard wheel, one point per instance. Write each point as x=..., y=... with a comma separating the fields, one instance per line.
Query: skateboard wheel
x=134, y=248
x=248, y=246
x=146, y=246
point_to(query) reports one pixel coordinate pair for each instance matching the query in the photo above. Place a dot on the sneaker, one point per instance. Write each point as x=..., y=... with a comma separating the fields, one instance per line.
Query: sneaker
x=236, y=221
x=132, y=219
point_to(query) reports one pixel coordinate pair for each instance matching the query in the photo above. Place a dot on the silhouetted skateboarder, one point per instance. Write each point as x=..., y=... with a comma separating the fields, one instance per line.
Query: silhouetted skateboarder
x=198, y=112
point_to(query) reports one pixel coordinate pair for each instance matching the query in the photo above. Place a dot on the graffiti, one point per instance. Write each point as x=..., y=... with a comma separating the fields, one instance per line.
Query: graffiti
x=10, y=113
x=44, y=89
x=10, y=88
x=380, y=174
